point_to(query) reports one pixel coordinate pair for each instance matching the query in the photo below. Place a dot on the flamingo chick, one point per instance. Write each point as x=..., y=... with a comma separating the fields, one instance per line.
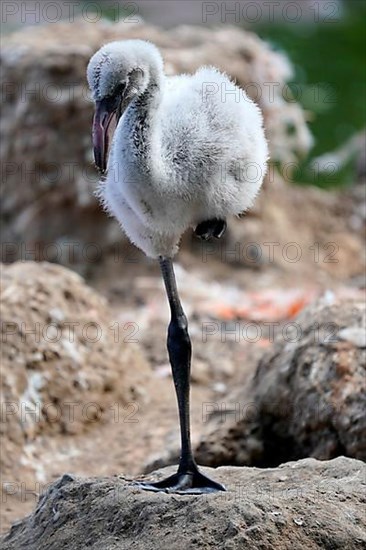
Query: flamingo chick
x=188, y=151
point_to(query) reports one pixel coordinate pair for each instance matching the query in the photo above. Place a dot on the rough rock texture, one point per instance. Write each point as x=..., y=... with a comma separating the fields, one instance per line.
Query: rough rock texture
x=307, y=233
x=306, y=504
x=307, y=396
x=63, y=361
x=311, y=394
x=46, y=124
x=49, y=209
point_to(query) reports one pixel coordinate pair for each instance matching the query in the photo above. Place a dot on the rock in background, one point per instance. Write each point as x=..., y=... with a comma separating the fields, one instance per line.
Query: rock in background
x=307, y=504
x=306, y=397
x=50, y=213
x=48, y=203
x=48, y=174
x=63, y=361
x=304, y=235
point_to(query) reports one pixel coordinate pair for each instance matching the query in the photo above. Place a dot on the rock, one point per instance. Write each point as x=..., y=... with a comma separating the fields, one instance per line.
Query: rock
x=49, y=178
x=354, y=148
x=305, y=504
x=306, y=398
x=64, y=361
x=355, y=335
x=307, y=233
x=46, y=153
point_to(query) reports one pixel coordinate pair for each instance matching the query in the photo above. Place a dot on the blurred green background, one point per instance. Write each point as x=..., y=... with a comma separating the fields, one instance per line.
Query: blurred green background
x=330, y=56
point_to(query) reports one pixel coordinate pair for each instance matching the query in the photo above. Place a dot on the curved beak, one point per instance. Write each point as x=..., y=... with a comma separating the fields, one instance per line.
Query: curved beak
x=104, y=124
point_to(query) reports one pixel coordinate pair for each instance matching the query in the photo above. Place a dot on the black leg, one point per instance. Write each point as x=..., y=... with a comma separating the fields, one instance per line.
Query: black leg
x=188, y=479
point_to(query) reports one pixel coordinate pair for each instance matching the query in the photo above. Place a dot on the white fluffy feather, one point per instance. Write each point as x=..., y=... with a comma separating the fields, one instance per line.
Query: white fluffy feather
x=187, y=149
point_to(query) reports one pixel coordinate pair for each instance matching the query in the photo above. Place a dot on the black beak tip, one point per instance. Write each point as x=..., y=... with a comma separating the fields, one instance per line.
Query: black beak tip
x=99, y=163
x=100, y=170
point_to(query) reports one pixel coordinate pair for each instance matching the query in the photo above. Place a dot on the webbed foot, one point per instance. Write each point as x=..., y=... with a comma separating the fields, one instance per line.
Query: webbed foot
x=192, y=483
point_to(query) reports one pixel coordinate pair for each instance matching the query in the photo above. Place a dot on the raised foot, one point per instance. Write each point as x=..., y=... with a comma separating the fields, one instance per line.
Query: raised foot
x=185, y=483
x=210, y=228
